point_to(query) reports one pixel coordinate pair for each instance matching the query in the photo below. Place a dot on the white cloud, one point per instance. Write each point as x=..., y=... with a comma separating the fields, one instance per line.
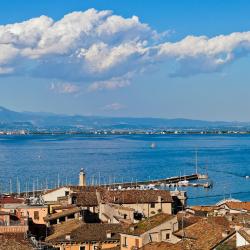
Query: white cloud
x=101, y=48
x=113, y=107
x=113, y=83
x=65, y=88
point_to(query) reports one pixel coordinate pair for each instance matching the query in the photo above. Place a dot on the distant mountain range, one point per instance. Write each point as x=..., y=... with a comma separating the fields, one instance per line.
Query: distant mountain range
x=29, y=120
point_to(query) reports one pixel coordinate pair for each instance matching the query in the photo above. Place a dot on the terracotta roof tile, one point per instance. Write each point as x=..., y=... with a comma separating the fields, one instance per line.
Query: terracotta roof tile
x=245, y=234
x=244, y=248
x=82, y=232
x=186, y=220
x=181, y=245
x=14, y=241
x=149, y=223
x=62, y=214
x=239, y=205
x=135, y=196
x=10, y=200
x=157, y=246
x=204, y=208
x=206, y=233
x=86, y=199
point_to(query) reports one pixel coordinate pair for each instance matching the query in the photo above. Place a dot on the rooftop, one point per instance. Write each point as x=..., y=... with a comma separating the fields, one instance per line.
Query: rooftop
x=204, y=208
x=245, y=233
x=62, y=214
x=181, y=245
x=149, y=223
x=157, y=246
x=135, y=196
x=81, y=232
x=14, y=241
x=10, y=200
x=86, y=199
x=206, y=233
x=239, y=205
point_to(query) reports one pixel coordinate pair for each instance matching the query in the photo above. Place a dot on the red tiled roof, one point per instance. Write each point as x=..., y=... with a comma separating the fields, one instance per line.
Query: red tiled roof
x=206, y=233
x=204, y=208
x=82, y=232
x=62, y=214
x=86, y=199
x=135, y=196
x=245, y=234
x=10, y=200
x=239, y=205
x=151, y=222
x=244, y=248
x=14, y=241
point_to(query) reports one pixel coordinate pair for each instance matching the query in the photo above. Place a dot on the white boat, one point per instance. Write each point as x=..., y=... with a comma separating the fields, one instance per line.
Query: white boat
x=183, y=183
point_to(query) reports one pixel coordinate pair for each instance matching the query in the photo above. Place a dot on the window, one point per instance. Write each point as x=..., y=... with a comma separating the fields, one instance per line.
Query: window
x=82, y=248
x=125, y=216
x=36, y=215
x=152, y=205
x=66, y=193
x=74, y=199
x=167, y=236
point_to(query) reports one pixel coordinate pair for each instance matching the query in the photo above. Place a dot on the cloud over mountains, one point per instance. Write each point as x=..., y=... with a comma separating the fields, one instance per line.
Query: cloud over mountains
x=103, y=49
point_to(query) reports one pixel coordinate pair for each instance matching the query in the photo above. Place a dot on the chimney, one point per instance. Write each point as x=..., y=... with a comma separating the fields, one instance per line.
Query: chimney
x=225, y=233
x=108, y=234
x=82, y=178
x=159, y=199
x=67, y=237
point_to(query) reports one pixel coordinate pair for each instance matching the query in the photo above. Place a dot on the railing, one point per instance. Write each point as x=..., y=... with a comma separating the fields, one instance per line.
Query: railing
x=13, y=229
x=12, y=223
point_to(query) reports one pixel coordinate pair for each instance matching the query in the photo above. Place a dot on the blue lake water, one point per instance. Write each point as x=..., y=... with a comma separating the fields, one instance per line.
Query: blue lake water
x=33, y=159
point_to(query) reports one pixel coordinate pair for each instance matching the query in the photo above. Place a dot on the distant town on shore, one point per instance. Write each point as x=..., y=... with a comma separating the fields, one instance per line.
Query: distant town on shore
x=22, y=123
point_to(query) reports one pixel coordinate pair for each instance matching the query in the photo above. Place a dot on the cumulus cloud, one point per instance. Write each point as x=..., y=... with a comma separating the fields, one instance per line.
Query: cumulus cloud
x=100, y=48
x=110, y=84
x=113, y=107
x=65, y=88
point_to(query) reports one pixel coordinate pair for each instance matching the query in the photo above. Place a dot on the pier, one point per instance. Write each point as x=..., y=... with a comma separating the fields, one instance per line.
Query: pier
x=182, y=180
x=158, y=182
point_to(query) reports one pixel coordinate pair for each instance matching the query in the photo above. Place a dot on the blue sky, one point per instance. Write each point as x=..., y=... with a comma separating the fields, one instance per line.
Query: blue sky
x=117, y=65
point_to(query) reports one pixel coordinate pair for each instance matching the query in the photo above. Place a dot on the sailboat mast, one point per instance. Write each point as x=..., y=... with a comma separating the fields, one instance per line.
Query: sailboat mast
x=196, y=162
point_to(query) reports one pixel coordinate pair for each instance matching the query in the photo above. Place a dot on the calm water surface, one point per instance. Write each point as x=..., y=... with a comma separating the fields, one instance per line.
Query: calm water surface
x=34, y=158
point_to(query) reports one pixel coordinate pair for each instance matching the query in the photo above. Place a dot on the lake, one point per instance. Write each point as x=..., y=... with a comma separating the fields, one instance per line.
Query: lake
x=34, y=160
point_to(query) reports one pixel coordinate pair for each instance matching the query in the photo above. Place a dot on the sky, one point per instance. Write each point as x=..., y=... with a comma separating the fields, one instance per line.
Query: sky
x=133, y=58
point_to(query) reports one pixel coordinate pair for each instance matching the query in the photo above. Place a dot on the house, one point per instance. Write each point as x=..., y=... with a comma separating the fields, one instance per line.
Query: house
x=54, y=194
x=158, y=228
x=86, y=200
x=243, y=237
x=206, y=234
x=113, y=213
x=77, y=235
x=203, y=210
x=234, y=207
x=144, y=202
x=12, y=224
x=64, y=215
x=34, y=213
